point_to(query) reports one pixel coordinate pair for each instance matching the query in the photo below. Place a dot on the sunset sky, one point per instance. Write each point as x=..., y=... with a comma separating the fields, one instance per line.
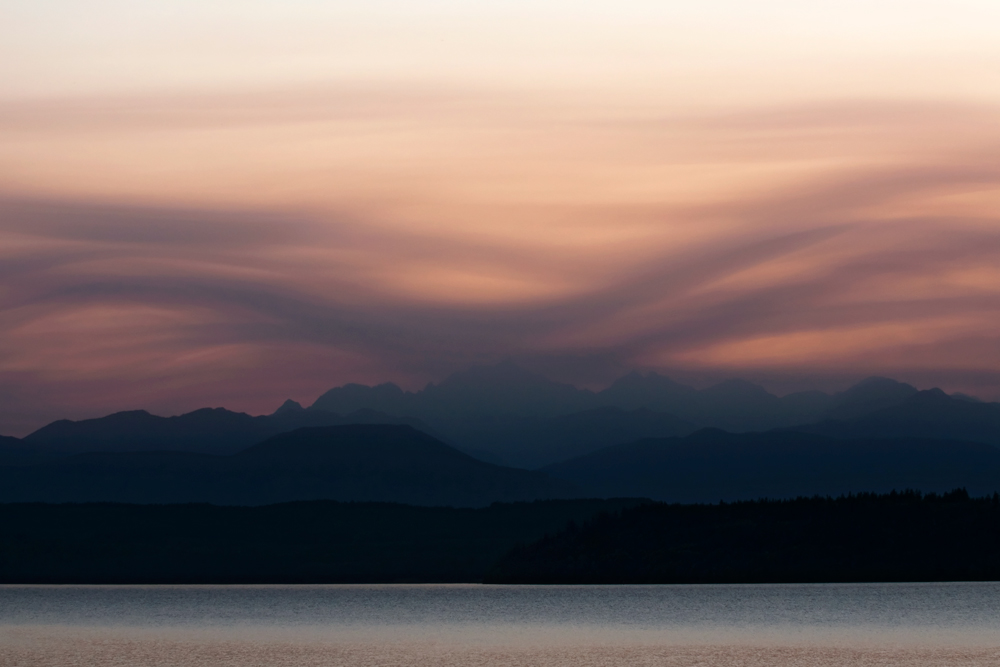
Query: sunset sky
x=231, y=203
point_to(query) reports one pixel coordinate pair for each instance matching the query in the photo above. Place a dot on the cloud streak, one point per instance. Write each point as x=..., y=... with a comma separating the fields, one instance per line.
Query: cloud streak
x=812, y=245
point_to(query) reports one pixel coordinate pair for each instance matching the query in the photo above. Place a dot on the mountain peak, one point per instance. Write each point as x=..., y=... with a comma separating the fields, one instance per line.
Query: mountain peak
x=386, y=397
x=650, y=380
x=288, y=406
x=931, y=395
x=649, y=390
x=505, y=389
x=871, y=394
x=736, y=386
x=873, y=381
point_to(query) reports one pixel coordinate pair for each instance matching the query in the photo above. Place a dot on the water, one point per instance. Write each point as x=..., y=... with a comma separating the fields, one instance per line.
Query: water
x=471, y=625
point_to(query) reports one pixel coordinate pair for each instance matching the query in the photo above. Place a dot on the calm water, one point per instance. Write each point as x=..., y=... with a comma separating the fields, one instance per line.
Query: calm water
x=452, y=626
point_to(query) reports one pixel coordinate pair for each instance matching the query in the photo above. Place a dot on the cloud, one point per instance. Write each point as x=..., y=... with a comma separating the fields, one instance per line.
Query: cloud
x=124, y=225
x=862, y=240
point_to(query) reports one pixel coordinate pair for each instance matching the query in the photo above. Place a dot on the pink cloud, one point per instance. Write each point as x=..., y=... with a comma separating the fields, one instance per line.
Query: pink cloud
x=807, y=245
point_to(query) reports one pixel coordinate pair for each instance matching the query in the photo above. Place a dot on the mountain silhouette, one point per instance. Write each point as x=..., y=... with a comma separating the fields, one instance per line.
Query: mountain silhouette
x=573, y=435
x=507, y=415
x=512, y=415
x=209, y=430
x=212, y=430
x=386, y=397
x=869, y=395
x=14, y=451
x=929, y=414
x=504, y=413
x=651, y=391
x=368, y=462
x=713, y=465
x=288, y=406
x=502, y=389
x=532, y=443
x=736, y=405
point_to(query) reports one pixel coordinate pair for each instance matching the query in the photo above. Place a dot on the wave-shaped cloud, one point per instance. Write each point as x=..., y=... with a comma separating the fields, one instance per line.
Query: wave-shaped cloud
x=805, y=244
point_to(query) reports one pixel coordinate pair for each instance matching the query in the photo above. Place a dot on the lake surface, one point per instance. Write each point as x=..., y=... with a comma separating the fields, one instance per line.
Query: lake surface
x=473, y=625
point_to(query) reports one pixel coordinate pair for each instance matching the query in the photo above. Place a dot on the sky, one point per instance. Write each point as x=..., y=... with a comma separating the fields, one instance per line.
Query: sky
x=233, y=203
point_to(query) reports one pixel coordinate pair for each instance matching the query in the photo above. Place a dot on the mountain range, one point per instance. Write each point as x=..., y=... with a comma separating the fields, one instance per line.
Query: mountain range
x=508, y=389
x=467, y=441
x=526, y=420
x=523, y=419
x=209, y=430
x=712, y=465
x=358, y=462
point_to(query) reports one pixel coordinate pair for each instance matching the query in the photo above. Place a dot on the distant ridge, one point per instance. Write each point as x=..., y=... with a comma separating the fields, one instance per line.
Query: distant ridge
x=14, y=451
x=288, y=406
x=507, y=415
x=713, y=465
x=503, y=389
x=360, y=462
x=508, y=390
x=513, y=414
x=928, y=414
x=208, y=431
x=869, y=395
